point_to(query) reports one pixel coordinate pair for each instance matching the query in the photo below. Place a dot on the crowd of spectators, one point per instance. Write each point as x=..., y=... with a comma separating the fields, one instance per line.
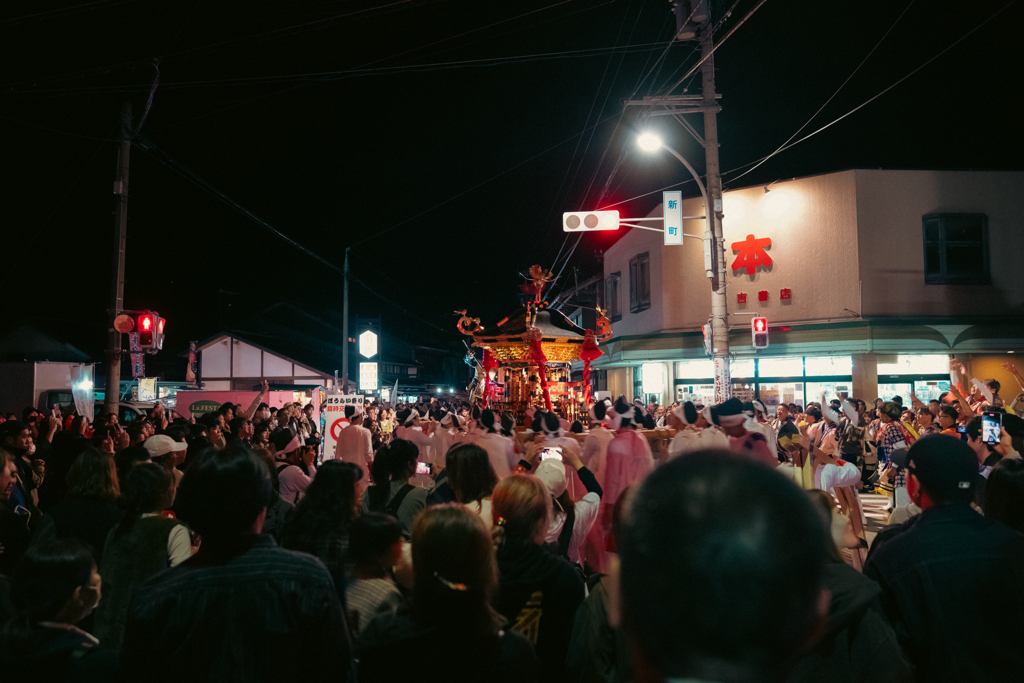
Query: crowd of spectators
x=442, y=541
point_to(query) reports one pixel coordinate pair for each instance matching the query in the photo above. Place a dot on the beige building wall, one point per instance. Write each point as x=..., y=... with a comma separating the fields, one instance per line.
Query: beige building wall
x=812, y=223
x=890, y=205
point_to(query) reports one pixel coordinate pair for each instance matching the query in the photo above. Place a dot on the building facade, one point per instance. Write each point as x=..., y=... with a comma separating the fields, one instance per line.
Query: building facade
x=871, y=280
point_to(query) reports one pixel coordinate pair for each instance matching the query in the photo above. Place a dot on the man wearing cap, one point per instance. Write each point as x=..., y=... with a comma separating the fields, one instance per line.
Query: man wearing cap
x=161, y=445
x=295, y=470
x=948, y=576
x=355, y=443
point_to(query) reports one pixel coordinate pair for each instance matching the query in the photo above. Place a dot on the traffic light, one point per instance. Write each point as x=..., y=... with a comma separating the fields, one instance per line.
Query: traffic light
x=583, y=221
x=158, y=339
x=146, y=323
x=759, y=332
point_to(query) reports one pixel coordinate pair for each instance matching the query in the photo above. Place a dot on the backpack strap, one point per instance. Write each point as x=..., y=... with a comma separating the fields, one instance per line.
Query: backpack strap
x=396, y=502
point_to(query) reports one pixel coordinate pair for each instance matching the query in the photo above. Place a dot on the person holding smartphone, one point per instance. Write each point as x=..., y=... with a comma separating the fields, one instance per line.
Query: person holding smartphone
x=990, y=443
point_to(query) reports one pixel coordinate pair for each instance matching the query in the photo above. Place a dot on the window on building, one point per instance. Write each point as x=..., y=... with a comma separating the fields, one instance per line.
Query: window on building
x=956, y=249
x=611, y=297
x=412, y=371
x=639, y=283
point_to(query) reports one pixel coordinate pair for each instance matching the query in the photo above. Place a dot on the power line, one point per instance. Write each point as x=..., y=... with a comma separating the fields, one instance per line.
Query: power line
x=852, y=74
x=837, y=120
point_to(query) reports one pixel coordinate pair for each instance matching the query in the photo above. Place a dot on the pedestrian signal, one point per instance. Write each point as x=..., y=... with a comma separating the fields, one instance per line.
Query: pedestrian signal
x=759, y=332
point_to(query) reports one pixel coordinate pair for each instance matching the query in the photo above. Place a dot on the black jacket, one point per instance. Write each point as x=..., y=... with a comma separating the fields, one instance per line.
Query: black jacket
x=396, y=647
x=950, y=589
x=58, y=655
x=539, y=594
x=858, y=643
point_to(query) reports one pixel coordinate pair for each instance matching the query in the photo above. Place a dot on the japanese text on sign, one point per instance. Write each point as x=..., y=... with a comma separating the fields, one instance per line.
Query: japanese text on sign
x=751, y=253
x=673, y=212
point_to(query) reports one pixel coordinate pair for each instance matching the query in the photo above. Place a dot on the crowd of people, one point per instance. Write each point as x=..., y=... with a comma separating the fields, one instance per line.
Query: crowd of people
x=443, y=541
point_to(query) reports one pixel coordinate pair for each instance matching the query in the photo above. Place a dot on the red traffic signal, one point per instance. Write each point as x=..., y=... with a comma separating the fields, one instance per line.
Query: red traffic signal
x=759, y=333
x=144, y=323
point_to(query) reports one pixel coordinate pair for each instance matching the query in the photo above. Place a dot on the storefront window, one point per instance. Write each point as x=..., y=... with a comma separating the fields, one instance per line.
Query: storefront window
x=781, y=367
x=886, y=392
x=931, y=364
x=930, y=389
x=742, y=367
x=831, y=390
x=818, y=366
x=701, y=368
x=700, y=394
x=772, y=394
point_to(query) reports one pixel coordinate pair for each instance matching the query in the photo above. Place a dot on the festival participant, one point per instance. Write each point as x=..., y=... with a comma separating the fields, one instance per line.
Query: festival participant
x=500, y=449
x=553, y=434
x=55, y=587
x=445, y=436
x=721, y=576
x=142, y=545
x=355, y=444
x=411, y=429
x=595, y=445
x=14, y=533
x=692, y=431
x=730, y=417
x=943, y=573
x=242, y=608
x=449, y=631
x=539, y=592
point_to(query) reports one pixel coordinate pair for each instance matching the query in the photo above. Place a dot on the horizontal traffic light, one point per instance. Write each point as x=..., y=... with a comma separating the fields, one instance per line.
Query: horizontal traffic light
x=583, y=221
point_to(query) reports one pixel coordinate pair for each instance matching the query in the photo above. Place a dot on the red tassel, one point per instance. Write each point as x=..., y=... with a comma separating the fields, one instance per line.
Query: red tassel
x=588, y=352
x=537, y=354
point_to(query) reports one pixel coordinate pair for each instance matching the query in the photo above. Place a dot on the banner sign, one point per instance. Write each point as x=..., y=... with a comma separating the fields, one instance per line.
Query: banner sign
x=138, y=369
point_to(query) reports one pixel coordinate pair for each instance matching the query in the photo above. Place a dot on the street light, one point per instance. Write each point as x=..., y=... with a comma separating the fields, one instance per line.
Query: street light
x=714, y=264
x=649, y=142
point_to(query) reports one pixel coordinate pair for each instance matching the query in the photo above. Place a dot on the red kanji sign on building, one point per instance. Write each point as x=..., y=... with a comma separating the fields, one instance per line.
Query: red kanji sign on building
x=785, y=294
x=762, y=295
x=741, y=298
x=751, y=254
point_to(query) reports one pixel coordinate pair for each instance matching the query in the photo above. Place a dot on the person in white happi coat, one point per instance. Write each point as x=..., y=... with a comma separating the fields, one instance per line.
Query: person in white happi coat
x=355, y=443
x=500, y=449
x=693, y=433
x=757, y=422
x=447, y=434
x=554, y=434
x=595, y=446
x=411, y=429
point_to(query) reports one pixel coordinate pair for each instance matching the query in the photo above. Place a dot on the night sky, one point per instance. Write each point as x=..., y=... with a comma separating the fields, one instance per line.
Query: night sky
x=440, y=139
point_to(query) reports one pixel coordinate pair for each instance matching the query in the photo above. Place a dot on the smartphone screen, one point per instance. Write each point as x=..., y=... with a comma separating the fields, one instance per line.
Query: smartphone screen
x=422, y=468
x=991, y=424
x=551, y=452
x=962, y=431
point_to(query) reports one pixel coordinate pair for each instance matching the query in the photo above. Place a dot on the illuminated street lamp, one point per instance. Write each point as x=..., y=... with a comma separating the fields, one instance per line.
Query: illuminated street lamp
x=714, y=264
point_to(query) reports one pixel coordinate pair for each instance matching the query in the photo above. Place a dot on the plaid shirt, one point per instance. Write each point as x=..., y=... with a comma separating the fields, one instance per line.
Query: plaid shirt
x=888, y=439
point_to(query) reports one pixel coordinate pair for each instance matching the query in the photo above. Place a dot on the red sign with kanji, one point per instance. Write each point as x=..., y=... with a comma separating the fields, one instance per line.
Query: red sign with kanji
x=785, y=294
x=741, y=298
x=751, y=253
x=762, y=295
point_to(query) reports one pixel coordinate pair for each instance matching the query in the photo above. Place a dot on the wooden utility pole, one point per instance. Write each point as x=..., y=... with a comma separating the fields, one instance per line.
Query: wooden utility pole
x=113, y=391
x=344, y=332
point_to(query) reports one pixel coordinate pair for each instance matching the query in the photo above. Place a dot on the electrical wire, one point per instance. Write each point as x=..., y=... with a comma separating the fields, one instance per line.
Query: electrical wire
x=843, y=85
x=833, y=122
x=162, y=157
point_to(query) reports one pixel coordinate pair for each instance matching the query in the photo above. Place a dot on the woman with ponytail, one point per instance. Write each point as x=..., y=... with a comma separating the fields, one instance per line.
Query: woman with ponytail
x=449, y=619
x=55, y=587
x=144, y=543
x=539, y=592
x=391, y=492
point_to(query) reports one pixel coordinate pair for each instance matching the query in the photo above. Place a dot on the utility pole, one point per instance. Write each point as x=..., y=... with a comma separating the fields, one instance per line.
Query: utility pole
x=719, y=304
x=344, y=331
x=113, y=392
